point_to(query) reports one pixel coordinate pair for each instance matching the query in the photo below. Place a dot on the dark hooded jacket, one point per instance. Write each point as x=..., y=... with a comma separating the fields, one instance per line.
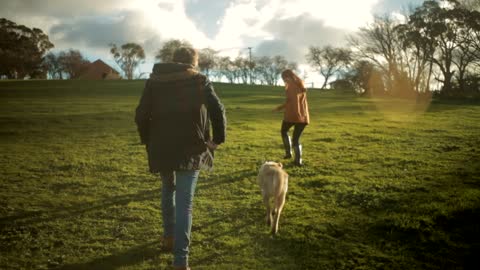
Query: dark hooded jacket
x=174, y=115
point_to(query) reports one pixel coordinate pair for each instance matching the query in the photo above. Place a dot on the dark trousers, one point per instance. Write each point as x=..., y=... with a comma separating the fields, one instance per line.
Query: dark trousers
x=297, y=131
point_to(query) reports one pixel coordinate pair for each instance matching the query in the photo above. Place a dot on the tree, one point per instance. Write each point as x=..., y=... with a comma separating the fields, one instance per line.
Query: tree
x=418, y=48
x=72, y=63
x=52, y=65
x=468, y=53
x=242, y=66
x=383, y=46
x=270, y=68
x=165, y=54
x=366, y=78
x=22, y=50
x=454, y=31
x=226, y=68
x=207, y=59
x=128, y=57
x=328, y=60
x=473, y=5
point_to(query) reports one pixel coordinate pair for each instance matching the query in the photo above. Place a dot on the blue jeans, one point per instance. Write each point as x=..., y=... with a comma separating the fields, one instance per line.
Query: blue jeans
x=178, y=188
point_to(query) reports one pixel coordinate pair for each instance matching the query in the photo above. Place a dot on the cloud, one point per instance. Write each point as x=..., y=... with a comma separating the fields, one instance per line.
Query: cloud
x=294, y=35
x=242, y=22
x=206, y=14
x=395, y=6
x=101, y=31
x=345, y=14
x=288, y=27
x=91, y=25
x=271, y=27
x=63, y=8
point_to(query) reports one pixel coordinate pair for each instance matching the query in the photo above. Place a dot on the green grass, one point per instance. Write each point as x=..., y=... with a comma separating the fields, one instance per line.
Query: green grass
x=388, y=184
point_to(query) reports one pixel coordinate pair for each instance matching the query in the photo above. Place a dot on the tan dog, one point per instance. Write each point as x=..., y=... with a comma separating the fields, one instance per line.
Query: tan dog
x=273, y=182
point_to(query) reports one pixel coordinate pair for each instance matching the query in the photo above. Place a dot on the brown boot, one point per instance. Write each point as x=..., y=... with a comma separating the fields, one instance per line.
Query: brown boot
x=167, y=244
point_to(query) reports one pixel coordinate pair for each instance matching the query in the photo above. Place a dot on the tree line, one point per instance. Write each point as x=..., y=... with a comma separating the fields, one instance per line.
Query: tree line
x=436, y=47
x=438, y=43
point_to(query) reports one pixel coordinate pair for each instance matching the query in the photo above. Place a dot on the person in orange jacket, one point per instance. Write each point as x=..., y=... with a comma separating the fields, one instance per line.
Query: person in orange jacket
x=295, y=114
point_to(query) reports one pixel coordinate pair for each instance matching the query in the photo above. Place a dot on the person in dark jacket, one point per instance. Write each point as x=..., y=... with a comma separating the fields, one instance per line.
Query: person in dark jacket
x=174, y=116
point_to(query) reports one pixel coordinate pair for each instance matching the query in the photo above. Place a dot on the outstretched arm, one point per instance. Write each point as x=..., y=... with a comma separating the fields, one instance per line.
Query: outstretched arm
x=279, y=107
x=216, y=112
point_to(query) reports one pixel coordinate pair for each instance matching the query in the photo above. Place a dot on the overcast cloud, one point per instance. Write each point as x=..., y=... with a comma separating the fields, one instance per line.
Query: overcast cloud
x=271, y=27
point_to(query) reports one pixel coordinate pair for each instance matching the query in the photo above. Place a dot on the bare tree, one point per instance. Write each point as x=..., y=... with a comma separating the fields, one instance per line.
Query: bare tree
x=73, y=63
x=270, y=68
x=226, y=68
x=328, y=60
x=128, y=57
x=380, y=44
x=243, y=68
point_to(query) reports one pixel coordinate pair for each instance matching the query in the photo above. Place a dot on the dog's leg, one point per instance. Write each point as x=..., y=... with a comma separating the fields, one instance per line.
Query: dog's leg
x=266, y=201
x=279, y=203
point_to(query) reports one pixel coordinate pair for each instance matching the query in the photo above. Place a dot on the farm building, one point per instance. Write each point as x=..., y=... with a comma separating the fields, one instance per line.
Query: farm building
x=99, y=70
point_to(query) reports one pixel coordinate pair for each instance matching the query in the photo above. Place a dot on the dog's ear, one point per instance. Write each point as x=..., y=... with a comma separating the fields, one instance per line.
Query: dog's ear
x=280, y=164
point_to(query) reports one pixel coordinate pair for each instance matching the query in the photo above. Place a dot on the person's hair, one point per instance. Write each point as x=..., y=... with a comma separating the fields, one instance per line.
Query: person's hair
x=288, y=73
x=185, y=55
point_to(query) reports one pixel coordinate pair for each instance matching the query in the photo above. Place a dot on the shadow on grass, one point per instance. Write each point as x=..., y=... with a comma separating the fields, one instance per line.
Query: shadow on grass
x=439, y=105
x=138, y=254
x=231, y=178
x=33, y=217
x=451, y=242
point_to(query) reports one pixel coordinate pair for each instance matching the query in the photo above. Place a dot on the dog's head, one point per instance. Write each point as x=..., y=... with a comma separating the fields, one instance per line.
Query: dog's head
x=273, y=163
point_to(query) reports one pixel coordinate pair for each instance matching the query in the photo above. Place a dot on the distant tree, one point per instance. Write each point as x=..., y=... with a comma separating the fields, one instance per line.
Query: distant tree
x=165, y=54
x=128, y=57
x=72, y=63
x=270, y=68
x=227, y=69
x=366, y=78
x=253, y=76
x=52, y=65
x=243, y=68
x=294, y=67
x=207, y=59
x=22, y=50
x=328, y=60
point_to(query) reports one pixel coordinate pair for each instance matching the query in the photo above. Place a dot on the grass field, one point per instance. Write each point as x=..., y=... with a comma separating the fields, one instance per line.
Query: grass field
x=388, y=184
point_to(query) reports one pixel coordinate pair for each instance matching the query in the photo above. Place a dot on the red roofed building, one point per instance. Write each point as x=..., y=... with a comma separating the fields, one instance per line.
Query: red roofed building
x=99, y=70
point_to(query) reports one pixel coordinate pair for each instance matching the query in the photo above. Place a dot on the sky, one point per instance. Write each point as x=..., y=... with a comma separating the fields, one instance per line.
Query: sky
x=269, y=27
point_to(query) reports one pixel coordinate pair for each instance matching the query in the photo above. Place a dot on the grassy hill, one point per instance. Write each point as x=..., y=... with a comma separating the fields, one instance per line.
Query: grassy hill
x=388, y=184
